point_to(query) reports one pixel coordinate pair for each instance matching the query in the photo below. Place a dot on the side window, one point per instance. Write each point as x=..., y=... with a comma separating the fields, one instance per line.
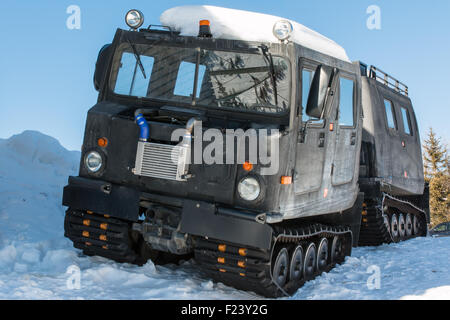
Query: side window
x=346, y=96
x=307, y=78
x=406, y=121
x=184, y=85
x=390, y=114
x=130, y=80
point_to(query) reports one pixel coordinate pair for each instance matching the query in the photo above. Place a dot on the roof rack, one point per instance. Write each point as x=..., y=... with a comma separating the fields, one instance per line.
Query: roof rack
x=388, y=80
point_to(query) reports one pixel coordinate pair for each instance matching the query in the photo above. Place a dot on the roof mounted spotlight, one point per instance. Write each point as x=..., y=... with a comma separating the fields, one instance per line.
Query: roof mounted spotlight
x=205, y=29
x=134, y=19
x=282, y=30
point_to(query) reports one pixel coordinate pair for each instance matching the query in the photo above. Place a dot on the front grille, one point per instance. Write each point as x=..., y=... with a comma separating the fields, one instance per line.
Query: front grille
x=161, y=161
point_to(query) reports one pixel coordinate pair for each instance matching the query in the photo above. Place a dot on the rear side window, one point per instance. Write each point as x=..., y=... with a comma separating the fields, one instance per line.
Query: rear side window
x=346, y=115
x=390, y=115
x=406, y=121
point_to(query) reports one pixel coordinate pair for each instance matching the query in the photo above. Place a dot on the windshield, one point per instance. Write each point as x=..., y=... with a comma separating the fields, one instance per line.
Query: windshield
x=248, y=82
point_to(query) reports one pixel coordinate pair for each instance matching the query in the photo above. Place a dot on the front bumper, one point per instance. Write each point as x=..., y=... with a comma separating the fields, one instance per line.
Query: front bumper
x=197, y=218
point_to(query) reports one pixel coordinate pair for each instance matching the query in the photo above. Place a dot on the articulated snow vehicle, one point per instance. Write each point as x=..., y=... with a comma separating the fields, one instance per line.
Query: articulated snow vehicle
x=343, y=135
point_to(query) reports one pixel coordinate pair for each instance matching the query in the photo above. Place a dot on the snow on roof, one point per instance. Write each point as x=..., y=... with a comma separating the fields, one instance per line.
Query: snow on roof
x=245, y=25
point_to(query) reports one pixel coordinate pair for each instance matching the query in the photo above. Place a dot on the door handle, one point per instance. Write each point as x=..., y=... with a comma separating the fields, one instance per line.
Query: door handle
x=322, y=140
x=353, y=139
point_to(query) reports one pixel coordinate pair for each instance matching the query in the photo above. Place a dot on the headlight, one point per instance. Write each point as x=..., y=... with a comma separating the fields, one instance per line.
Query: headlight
x=93, y=161
x=282, y=29
x=249, y=189
x=134, y=19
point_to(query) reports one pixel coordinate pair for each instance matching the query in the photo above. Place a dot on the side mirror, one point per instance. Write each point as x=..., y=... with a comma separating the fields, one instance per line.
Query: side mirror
x=318, y=91
x=101, y=65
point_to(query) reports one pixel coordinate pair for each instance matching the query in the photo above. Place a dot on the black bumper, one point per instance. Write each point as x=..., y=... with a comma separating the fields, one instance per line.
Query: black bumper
x=198, y=218
x=102, y=197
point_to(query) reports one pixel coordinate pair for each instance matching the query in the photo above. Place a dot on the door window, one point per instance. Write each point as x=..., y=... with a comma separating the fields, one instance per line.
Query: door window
x=346, y=113
x=307, y=78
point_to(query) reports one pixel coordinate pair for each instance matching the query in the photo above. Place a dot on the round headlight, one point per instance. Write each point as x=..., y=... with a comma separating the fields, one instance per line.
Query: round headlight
x=134, y=19
x=249, y=189
x=93, y=161
x=282, y=29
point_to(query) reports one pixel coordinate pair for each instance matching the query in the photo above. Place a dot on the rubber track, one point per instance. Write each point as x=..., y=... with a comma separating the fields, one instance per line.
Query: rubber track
x=256, y=276
x=100, y=235
x=374, y=231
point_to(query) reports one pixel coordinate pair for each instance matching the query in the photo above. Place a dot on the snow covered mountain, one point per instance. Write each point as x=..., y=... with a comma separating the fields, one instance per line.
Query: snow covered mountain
x=35, y=256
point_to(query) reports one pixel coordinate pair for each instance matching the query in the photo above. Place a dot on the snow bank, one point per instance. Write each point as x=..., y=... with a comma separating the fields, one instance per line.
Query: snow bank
x=33, y=171
x=245, y=25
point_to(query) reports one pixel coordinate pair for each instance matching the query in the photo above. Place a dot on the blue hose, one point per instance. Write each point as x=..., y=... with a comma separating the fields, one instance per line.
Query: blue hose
x=143, y=125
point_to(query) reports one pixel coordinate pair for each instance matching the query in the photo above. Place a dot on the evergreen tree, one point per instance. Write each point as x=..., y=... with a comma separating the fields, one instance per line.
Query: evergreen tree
x=437, y=174
x=435, y=157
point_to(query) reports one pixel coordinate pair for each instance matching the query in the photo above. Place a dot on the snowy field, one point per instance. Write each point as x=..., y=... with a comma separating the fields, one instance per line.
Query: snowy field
x=35, y=257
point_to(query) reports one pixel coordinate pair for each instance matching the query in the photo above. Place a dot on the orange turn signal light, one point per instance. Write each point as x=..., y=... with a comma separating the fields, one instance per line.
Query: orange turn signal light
x=247, y=166
x=242, y=252
x=286, y=180
x=102, y=142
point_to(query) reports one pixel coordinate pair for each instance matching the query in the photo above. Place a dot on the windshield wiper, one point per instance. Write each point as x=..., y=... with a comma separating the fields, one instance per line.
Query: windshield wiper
x=138, y=57
x=269, y=60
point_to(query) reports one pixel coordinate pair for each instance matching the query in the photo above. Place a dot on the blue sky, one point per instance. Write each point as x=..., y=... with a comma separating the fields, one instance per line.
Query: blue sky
x=46, y=69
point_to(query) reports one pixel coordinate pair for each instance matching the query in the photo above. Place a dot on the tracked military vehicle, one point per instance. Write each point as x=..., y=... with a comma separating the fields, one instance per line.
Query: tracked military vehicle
x=343, y=135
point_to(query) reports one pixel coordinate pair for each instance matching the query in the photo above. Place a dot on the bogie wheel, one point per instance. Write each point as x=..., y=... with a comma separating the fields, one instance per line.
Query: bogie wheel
x=416, y=225
x=394, y=227
x=309, y=264
x=337, y=254
x=281, y=267
x=401, y=227
x=322, y=255
x=296, y=266
x=409, y=225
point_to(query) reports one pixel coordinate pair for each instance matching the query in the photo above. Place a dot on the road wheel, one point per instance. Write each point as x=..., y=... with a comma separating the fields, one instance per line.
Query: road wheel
x=409, y=225
x=394, y=227
x=337, y=250
x=296, y=267
x=309, y=266
x=322, y=255
x=416, y=226
x=401, y=227
x=281, y=267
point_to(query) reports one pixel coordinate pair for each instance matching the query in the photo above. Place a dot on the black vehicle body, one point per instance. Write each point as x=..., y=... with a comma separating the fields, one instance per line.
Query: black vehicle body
x=441, y=230
x=334, y=168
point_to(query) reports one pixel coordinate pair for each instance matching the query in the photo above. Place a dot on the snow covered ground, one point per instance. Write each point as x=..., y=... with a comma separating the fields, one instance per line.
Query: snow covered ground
x=35, y=256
